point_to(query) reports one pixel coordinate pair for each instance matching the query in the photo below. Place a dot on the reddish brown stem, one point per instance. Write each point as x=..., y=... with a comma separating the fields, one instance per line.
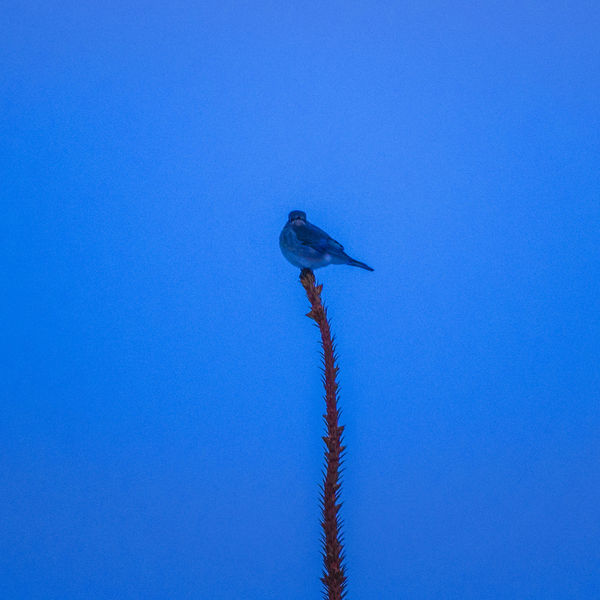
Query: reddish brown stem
x=334, y=576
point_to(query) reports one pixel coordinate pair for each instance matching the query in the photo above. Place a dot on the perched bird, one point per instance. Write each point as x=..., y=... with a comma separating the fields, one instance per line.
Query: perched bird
x=308, y=247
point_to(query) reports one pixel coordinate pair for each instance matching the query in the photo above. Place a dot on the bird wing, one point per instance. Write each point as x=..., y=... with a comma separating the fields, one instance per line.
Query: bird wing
x=311, y=235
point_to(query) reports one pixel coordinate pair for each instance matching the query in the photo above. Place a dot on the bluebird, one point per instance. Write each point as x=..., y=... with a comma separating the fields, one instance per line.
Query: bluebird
x=308, y=247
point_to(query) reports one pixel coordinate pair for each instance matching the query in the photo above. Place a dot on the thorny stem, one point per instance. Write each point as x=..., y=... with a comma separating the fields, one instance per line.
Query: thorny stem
x=334, y=576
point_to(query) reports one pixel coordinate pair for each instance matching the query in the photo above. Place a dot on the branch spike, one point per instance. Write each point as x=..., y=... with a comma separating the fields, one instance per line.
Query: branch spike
x=334, y=570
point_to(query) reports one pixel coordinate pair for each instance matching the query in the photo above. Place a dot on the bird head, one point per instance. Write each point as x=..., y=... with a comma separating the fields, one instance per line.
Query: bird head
x=297, y=216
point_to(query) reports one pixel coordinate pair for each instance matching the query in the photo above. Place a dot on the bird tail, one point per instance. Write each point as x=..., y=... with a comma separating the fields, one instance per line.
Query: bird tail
x=357, y=263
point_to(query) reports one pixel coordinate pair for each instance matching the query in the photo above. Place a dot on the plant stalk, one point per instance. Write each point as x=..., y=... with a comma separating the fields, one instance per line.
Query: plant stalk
x=334, y=575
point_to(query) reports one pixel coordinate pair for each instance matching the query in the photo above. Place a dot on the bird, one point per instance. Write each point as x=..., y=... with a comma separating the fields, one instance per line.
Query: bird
x=308, y=247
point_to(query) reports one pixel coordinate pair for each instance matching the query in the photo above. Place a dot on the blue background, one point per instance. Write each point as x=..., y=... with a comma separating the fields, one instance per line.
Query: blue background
x=161, y=396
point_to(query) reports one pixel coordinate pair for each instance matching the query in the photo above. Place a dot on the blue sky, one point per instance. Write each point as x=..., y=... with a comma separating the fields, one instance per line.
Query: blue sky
x=161, y=405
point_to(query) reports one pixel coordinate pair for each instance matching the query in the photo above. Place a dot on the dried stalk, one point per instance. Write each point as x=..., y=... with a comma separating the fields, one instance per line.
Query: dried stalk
x=334, y=576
